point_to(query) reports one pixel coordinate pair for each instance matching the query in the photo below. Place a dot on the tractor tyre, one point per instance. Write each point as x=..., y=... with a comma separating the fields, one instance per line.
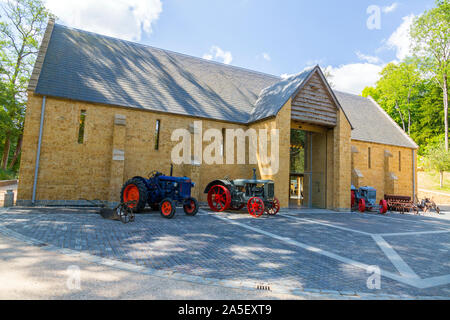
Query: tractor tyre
x=255, y=207
x=362, y=205
x=274, y=207
x=134, y=190
x=168, y=208
x=219, y=198
x=383, y=207
x=191, y=207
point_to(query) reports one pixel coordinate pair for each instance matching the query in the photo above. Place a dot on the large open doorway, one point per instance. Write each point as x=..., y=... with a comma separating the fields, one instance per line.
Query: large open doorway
x=308, y=160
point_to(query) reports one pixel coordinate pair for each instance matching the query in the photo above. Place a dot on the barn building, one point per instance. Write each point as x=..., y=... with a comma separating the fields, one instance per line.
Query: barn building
x=102, y=110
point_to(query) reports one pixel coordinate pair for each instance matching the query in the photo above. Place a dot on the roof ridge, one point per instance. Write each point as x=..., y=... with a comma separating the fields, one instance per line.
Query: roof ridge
x=169, y=51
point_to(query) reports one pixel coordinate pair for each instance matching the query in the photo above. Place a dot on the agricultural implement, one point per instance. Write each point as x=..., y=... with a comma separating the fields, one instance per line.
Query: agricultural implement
x=401, y=204
x=365, y=198
x=257, y=195
x=428, y=205
x=161, y=193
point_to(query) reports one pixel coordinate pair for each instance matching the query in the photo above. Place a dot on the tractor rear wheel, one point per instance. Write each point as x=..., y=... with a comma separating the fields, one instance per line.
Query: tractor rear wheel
x=383, y=207
x=168, y=208
x=255, y=207
x=191, y=207
x=362, y=205
x=134, y=190
x=219, y=198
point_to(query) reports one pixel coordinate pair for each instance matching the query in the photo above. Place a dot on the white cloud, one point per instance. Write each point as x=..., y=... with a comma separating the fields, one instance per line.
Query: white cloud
x=266, y=56
x=400, y=40
x=391, y=8
x=367, y=58
x=287, y=75
x=353, y=78
x=125, y=19
x=216, y=53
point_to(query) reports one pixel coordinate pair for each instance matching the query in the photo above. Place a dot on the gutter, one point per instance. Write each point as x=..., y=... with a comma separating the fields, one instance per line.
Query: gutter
x=38, y=155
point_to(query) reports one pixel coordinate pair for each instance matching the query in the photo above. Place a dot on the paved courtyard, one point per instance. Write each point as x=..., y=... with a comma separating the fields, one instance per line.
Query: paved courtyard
x=294, y=252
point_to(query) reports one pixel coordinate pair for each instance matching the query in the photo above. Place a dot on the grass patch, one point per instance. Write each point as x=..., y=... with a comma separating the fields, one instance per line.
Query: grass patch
x=430, y=181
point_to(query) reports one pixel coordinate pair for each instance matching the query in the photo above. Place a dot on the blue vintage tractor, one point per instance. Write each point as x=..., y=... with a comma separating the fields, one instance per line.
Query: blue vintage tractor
x=365, y=198
x=161, y=193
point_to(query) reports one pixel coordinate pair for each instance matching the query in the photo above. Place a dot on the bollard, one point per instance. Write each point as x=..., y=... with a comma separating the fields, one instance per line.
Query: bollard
x=9, y=199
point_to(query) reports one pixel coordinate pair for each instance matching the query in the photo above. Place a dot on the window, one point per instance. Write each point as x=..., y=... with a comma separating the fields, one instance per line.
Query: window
x=370, y=158
x=157, y=130
x=399, y=161
x=222, y=151
x=81, y=127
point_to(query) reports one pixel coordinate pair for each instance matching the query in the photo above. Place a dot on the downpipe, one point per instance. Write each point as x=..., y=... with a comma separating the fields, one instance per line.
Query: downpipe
x=38, y=154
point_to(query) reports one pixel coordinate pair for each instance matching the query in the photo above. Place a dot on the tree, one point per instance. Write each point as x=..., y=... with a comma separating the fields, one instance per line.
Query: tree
x=430, y=34
x=397, y=91
x=22, y=26
x=428, y=128
x=438, y=159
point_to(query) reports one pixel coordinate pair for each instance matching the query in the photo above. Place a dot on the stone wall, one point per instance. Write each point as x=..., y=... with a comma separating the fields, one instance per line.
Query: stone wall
x=119, y=143
x=386, y=173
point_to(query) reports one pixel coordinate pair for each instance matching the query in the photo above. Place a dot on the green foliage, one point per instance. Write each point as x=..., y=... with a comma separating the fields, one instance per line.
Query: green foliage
x=398, y=91
x=298, y=140
x=22, y=25
x=430, y=33
x=7, y=175
x=412, y=91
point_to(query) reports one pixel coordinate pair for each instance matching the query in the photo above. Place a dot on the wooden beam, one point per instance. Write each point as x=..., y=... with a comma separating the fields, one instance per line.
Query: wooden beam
x=318, y=114
x=313, y=120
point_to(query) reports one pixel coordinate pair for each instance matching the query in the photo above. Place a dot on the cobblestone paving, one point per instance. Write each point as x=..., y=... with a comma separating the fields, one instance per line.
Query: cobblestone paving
x=216, y=248
x=429, y=254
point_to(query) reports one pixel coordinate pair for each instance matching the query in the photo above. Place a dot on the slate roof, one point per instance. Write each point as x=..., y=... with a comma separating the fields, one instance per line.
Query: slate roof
x=85, y=66
x=371, y=123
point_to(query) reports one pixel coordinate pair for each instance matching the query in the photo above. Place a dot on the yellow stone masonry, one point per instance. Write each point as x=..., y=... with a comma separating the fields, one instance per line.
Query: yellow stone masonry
x=119, y=143
x=386, y=173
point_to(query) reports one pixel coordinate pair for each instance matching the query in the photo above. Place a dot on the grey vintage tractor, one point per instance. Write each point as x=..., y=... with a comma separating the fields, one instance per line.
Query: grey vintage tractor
x=364, y=199
x=257, y=195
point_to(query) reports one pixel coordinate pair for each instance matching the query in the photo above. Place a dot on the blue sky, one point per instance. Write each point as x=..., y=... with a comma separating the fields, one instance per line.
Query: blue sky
x=276, y=37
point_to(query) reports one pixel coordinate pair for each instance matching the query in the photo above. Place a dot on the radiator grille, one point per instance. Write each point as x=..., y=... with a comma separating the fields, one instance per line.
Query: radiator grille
x=271, y=190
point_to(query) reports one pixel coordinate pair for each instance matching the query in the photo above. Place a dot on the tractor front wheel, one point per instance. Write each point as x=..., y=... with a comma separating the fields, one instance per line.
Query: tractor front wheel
x=255, y=207
x=362, y=205
x=168, y=208
x=274, y=207
x=191, y=207
x=134, y=191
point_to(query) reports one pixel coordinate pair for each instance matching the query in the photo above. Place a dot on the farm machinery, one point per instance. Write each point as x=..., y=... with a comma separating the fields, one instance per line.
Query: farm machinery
x=364, y=199
x=257, y=195
x=161, y=193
